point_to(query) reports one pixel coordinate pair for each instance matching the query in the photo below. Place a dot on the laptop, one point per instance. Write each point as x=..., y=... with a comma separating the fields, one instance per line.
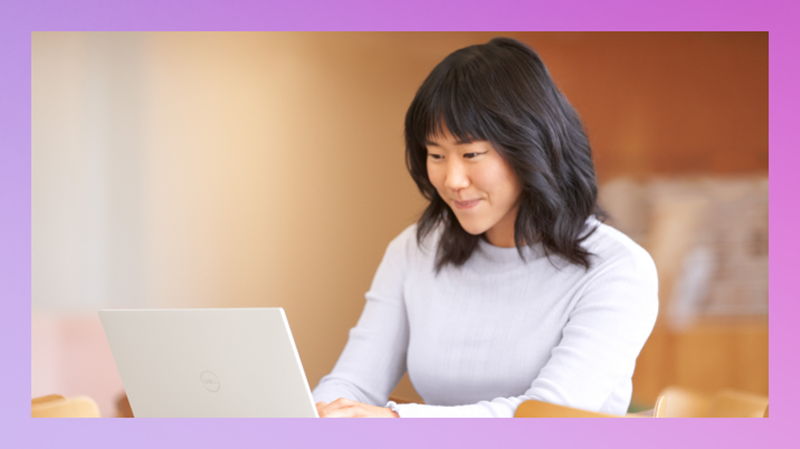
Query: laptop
x=208, y=363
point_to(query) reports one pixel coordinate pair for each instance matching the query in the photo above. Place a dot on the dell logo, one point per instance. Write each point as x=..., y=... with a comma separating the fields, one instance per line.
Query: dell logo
x=209, y=381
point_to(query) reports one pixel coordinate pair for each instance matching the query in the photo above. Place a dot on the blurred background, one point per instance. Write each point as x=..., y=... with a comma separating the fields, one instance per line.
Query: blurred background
x=266, y=169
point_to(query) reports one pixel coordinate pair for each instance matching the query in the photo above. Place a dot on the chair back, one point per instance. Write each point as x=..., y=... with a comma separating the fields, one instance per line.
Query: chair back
x=686, y=403
x=738, y=404
x=660, y=409
x=57, y=406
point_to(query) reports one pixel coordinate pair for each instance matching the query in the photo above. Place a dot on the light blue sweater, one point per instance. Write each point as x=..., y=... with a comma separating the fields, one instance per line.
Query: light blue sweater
x=480, y=339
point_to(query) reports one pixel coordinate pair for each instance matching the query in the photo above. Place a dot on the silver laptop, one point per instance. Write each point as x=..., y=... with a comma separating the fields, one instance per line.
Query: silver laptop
x=208, y=363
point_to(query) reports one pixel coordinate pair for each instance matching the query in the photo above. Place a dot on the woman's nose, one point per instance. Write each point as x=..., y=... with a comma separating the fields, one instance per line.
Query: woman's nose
x=457, y=178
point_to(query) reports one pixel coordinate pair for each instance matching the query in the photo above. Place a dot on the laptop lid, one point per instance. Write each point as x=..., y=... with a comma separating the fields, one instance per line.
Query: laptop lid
x=208, y=362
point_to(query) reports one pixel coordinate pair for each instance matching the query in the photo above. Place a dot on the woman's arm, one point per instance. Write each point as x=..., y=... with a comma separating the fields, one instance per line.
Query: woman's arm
x=374, y=359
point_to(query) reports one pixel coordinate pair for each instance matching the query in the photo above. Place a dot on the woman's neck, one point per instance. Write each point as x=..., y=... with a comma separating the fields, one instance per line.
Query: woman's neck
x=502, y=233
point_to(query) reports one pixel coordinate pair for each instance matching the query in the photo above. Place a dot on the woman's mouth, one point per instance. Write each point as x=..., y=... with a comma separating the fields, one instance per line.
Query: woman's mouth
x=466, y=204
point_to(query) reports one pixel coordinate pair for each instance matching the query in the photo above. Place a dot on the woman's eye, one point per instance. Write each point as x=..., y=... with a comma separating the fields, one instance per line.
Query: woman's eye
x=471, y=155
x=435, y=156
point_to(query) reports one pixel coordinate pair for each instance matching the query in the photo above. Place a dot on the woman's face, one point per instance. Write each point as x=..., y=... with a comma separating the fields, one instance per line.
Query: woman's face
x=478, y=185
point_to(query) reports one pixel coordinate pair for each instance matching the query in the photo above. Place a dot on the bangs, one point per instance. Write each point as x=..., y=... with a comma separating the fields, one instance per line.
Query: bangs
x=452, y=102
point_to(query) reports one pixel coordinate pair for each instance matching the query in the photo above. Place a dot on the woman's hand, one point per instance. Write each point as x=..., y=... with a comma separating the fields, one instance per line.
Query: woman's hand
x=345, y=408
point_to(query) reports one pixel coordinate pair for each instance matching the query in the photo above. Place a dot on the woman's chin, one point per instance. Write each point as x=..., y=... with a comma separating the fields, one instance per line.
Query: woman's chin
x=472, y=228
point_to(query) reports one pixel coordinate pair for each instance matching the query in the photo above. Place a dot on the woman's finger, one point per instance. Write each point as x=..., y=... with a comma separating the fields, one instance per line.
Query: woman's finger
x=326, y=410
x=345, y=408
x=343, y=402
x=341, y=412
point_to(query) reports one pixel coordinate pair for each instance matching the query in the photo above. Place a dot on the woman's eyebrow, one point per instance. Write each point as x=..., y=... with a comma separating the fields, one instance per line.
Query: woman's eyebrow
x=428, y=143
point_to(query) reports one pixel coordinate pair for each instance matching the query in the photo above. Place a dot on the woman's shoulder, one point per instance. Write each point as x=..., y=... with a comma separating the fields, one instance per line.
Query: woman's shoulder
x=408, y=245
x=407, y=235
x=622, y=273
x=610, y=246
x=409, y=238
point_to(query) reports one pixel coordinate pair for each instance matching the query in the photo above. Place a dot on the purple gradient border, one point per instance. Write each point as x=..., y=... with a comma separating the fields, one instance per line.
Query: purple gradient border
x=19, y=18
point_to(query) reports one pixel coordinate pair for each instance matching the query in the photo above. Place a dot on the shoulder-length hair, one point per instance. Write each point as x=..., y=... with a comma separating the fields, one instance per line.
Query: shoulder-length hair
x=501, y=92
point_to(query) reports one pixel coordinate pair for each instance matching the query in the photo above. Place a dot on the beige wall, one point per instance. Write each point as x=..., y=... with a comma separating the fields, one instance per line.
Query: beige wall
x=266, y=169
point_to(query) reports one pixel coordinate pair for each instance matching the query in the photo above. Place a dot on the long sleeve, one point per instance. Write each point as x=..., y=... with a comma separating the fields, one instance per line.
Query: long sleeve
x=374, y=359
x=479, y=339
x=613, y=316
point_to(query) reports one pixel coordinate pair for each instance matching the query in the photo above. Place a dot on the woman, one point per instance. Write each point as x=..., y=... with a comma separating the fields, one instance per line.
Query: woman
x=508, y=288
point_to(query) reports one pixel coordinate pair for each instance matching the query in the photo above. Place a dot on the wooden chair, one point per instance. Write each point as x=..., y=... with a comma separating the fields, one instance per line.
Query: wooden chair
x=660, y=409
x=686, y=403
x=738, y=404
x=57, y=406
x=539, y=409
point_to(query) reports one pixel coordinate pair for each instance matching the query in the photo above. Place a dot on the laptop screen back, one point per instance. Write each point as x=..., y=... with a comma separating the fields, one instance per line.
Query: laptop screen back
x=208, y=363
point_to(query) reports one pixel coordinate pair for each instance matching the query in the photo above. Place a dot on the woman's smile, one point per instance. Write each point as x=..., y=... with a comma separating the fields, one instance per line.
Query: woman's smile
x=477, y=183
x=469, y=204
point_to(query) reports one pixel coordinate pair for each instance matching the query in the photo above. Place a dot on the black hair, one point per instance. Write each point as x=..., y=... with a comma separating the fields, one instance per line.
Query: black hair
x=501, y=92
